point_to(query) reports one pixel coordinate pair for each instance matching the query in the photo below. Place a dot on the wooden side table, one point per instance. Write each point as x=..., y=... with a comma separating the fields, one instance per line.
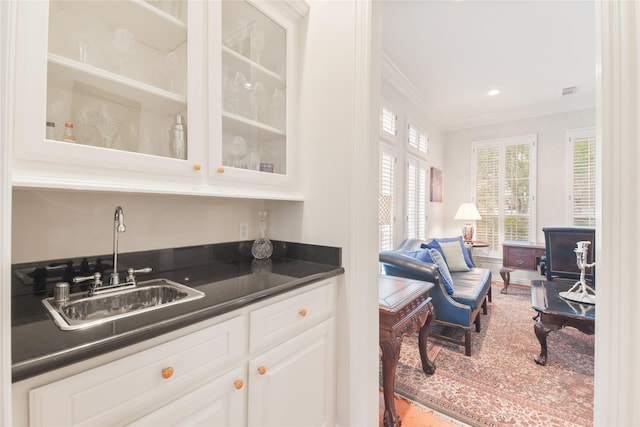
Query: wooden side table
x=518, y=255
x=404, y=309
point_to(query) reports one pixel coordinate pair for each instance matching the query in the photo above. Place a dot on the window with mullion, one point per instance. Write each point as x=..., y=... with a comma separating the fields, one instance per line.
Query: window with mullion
x=504, y=190
x=416, y=198
x=386, y=216
x=582, y=178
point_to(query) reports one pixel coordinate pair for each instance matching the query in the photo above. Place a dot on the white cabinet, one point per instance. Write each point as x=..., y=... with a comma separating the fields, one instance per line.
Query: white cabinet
x=271, y=364
x=293, y=384
x=125, y=73
x=125, y=390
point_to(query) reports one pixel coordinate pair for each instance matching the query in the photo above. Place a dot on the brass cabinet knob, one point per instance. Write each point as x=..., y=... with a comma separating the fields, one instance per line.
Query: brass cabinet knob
x=238, y=384
x=167, y=372
x=302, y=312
x=220, y=169
x=197, y=167
x=262, y=370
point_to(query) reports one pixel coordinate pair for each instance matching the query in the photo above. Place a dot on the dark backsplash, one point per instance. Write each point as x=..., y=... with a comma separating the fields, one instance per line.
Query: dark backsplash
x=40, y=277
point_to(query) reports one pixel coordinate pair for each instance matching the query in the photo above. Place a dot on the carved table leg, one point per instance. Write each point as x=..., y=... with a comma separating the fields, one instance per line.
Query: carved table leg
x=505, y=273
x=390, y=346
x=542, y=331
x=427, y=365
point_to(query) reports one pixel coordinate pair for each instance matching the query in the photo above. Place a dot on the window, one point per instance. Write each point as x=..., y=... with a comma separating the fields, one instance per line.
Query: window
x=416, y=191
x=388, y=122
x=504, y=172
x=581, y=150
x=386, y=217
x=416, y=138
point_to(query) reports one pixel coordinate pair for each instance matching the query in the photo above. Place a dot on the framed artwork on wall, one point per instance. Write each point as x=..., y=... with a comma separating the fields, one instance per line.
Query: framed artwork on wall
x=436, y=185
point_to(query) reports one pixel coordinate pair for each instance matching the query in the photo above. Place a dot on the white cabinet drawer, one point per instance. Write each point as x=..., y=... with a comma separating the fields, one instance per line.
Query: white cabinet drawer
x=122, y=390
x=284, y=319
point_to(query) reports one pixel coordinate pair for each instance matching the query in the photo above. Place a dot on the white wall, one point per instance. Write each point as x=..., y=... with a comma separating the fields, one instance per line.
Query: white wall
x=61, y=224
x=339, y=181
x=551, y=157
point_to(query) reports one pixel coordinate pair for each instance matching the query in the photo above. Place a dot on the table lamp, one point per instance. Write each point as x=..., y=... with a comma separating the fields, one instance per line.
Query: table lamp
x=467, y=212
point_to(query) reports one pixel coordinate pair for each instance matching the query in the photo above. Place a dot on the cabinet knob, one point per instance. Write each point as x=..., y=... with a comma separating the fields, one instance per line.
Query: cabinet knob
x=238, y=384
x=196, y=167
x=302, y=312
x=167, y=372
x=220, y=169
x=262, y=370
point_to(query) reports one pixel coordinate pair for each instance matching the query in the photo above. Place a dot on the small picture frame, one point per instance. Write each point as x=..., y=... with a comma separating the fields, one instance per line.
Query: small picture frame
x=436, y=185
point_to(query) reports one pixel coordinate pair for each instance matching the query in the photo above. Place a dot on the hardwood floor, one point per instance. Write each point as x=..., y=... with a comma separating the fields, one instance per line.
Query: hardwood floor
x=413, y=416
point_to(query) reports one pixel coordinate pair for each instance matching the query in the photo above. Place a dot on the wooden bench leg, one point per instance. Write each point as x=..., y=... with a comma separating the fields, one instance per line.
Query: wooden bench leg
x=505, y=273
x=484, y=306
x=467, y=342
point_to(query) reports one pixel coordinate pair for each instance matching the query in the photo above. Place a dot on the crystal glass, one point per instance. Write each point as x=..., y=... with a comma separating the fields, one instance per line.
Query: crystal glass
x=238, y=152
x=107, y=126
x=262, y=247
x=257, y=44
x=88, y=30
x=123, y=43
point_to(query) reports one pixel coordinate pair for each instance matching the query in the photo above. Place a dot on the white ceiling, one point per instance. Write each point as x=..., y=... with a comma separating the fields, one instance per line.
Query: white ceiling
x=454, y=52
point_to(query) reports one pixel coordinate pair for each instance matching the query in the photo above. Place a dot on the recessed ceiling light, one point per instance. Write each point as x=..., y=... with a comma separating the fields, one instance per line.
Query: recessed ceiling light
x=493, y=92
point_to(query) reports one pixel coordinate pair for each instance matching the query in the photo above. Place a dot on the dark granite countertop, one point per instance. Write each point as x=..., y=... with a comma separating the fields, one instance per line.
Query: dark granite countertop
x=225, y=272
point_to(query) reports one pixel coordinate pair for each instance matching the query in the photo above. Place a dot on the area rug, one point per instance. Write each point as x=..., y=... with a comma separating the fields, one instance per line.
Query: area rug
x=500, y=384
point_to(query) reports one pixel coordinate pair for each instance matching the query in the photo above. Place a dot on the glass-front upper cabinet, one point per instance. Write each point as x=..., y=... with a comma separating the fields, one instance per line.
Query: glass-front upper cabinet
x=110, y=83
x=257, y=78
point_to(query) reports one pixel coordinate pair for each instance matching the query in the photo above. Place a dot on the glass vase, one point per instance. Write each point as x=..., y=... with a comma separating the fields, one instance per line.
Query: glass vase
x=262, y=247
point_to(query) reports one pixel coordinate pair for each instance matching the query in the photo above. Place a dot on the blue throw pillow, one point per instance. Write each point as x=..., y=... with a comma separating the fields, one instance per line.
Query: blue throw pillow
x=439, y=261
x=422, y=255
x=433, y=244
x=465, y=252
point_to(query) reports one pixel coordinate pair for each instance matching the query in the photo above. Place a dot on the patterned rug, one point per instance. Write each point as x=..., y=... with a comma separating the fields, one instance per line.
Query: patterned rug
x=500, y=384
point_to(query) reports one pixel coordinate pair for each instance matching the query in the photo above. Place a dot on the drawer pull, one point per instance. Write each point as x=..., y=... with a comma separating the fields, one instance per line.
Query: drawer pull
x=520, y=251
x=167, y=372
x=520, y=261
x=303, y=312
x=262, y=370
x=220, y=169
x=238, y=384
x=197, y=167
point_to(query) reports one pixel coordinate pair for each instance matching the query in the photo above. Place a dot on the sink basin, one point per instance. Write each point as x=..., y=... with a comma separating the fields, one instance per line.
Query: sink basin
x=82, y=311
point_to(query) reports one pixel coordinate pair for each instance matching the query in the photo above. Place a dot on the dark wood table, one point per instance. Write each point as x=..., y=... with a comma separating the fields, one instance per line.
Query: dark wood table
x=404, y=309
x=554, y=312
x=519, y=256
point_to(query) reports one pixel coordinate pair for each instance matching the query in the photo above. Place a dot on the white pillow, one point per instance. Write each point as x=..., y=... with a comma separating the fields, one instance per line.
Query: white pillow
x=453, y=255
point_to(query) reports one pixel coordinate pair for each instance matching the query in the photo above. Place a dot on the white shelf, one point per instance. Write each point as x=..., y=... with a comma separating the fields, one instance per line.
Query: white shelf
x=235, y=56
x=148, y=24
x=64, y=73
x=242, y=126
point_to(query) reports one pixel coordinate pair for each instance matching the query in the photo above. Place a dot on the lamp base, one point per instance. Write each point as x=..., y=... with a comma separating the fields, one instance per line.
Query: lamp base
x=467, y=232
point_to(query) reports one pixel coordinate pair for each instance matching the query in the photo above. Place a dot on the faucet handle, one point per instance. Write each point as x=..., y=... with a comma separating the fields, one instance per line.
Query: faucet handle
x=95, y=277
x=131, y=273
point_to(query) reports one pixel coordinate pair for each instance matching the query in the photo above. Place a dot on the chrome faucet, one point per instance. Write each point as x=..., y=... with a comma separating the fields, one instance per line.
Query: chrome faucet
x=118, y=227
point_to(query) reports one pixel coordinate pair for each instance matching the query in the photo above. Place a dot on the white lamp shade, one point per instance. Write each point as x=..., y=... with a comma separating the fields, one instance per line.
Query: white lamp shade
x=467, y=212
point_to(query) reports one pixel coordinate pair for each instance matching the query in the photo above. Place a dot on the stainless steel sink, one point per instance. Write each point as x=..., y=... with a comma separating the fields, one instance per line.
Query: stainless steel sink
x=82, y=311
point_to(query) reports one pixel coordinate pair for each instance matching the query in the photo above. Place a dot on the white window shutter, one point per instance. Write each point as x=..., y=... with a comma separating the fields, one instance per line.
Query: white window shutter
x=583, y=177
x=386, y=199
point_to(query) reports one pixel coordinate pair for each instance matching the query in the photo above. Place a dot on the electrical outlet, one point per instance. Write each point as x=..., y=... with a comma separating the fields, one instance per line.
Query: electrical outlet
x=244, y=231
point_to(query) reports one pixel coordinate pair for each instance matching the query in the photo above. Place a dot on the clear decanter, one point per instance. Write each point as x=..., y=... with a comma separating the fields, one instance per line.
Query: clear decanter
x=262, y=247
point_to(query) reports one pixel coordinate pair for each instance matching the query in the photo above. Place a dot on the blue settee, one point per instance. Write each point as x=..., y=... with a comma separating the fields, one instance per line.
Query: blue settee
x=459, y=309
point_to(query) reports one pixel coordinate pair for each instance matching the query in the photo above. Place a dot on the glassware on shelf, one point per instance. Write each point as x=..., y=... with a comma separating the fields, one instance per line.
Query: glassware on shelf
x=262, y=247
x=258, y=41
x=254, y=161
x=258, y=102
x=238, y=94
x=169, y=69
x=278, y=109
x=107, y=126
x=51, y=131
x=123, y=43
x=68, y=136
x=87, y=31
x=238, y=151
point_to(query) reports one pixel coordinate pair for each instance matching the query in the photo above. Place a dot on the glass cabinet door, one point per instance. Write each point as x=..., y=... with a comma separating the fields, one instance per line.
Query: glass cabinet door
x=254, y=90
x=117, y=75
